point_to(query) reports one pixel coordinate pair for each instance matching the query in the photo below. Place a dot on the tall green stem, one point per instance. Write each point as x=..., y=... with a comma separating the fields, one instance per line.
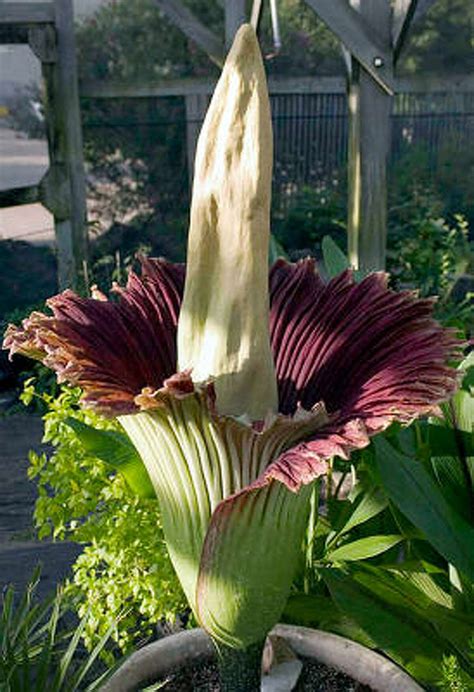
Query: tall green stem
x=240, y=670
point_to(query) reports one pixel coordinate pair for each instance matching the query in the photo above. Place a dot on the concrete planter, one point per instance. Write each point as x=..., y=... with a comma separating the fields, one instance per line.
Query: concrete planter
x=164, y=657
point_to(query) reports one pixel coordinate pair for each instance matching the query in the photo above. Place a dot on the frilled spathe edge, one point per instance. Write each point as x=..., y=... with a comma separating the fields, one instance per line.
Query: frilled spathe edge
x=366, y=351
x=111, y=349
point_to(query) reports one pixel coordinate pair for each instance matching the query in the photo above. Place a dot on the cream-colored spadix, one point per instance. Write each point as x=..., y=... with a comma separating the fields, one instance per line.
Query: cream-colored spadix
x=223, y=326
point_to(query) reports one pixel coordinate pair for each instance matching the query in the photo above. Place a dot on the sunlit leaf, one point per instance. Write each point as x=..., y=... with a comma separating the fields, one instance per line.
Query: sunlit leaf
x=335, y=261
x=363, y=548
x=419, y=498
x=407, y=639
x=373, y=502
x=116, y=450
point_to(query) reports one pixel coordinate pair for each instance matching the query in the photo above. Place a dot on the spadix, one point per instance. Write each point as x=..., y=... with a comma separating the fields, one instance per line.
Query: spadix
x=223, y=325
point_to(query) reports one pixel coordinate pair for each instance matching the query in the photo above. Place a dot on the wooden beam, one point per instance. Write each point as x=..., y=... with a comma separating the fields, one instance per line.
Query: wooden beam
x=184, y=87
x=235, y=16
x=371, y=51
x=43, y=41
x=19, y=195
x=256, y=13
x=277, y=85
x=432, y=84
x=403, y=14
x=196, y=107
x=156, y=89
x=368, y=148
x=17, y=13
x=70, y=231
x=423, y=6
x=185, y=20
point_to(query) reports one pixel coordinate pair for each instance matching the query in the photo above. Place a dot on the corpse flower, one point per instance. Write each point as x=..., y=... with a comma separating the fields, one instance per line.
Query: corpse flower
x=236, y=390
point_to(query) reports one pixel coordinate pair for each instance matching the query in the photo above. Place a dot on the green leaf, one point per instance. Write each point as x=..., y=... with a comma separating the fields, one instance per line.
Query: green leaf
x=425, y=583
x=364, y=548
x=418, y=497
x=407, y=639
x=467, y=366
x=276, y=250
x=116, y=450
x=449, y=476
x=400, y=590
x=335, y=261
x=445, y=441
x=249, y=560
x=315, y=610
x=373, y=502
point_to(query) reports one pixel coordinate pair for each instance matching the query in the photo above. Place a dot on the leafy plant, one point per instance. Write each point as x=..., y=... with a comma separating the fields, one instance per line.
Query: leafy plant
x=452, y=678
x=124, y=567
x=391, y=564
x=314, y=212
x=430, y=254
x=40, y=650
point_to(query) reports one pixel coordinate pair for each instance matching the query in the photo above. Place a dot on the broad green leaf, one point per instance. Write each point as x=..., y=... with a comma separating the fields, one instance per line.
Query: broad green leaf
x=318, y=611
x=450, y=477
x=249, y=561
x=116, y=450
x=453, y=628
x=413, y=566
x=425, y=583
x=363, y=548
x=407, y=639
x=373, y=502
x=445, y=441
x=418, y=497
x=335, y=261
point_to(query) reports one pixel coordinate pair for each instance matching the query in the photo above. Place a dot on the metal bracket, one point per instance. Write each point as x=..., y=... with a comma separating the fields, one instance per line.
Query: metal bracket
x=55, y=193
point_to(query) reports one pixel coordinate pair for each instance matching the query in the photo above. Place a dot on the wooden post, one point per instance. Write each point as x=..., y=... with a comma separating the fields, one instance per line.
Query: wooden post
x=196, y=107
x=62, y=189
x=182, y=17
x=72, y=231
x=369, y=145
x=235, y=15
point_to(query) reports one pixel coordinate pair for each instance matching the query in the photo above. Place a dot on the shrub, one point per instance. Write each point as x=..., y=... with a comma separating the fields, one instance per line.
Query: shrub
x=312, y=214
x=124, y=569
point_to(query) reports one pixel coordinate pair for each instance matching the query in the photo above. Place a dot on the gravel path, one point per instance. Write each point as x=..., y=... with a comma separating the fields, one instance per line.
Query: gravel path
x=19, y=551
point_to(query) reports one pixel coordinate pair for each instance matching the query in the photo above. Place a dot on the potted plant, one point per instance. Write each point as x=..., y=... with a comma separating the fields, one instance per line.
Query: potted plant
x=235, y=390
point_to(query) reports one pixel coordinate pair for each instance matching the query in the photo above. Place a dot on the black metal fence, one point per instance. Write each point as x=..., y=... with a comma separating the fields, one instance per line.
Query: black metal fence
x=310, y=134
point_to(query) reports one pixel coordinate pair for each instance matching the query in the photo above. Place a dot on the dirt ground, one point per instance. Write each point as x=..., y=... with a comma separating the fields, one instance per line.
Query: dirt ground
x=20, y=552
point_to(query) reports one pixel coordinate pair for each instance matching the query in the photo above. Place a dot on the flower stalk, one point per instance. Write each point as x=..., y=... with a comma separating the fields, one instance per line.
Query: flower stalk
x=240, y=670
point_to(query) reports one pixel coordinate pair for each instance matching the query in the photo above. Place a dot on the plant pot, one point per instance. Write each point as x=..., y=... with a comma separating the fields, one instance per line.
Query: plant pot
x=165, y=657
